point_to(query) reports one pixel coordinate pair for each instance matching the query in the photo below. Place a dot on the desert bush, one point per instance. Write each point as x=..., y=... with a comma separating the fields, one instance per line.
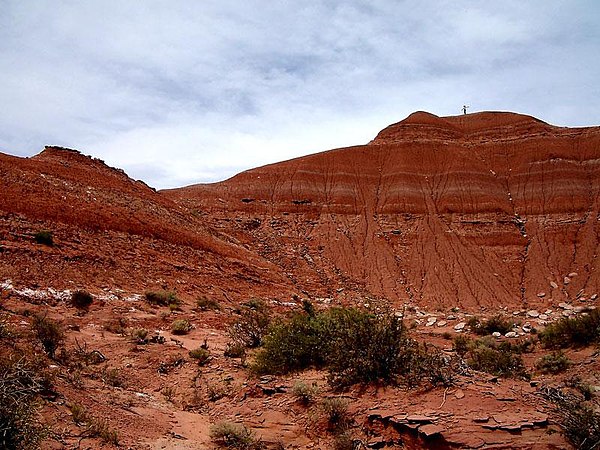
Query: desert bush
x=305, y=393
x=461, y=344
x=336, y=412
x=201, y=355
x=554, y=363
x=494, y=324
x=250, y=328
x=205, y=304
x=181, y=326
x=162, y=298
x=485, y=356
x=580, y=422
x=234, y=435
x=79, y=413
x=117, y=326
x=81, y=299
x=343, y=441
x=568, y=332
x=20, y=386
x=139, y=335
x=354, y=345
x=48, y=332
x=235, y=350
x=44, y=237
x=113, y=377
x=101, y=428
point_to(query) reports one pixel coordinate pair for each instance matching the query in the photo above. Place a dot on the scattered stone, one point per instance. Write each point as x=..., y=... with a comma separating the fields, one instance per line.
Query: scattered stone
x=543, y=317
x=511, y=334
x=572, y=275
x=594, y=297
x=566, y=280
x=451, y=317
x=442, y=323
x=459, y=326
x=481, y=419
x=541, y=294
x=496, y=334
x=533, y=313
x=431, y=431
x=459, y=394
x=553, y=285
x=579, y=309
x=516, y=313
x=567, y=313
x=565, y=306
x=431, y=321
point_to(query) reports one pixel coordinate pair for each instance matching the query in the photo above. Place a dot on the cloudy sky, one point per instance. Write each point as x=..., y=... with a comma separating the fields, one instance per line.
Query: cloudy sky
x=180, y=92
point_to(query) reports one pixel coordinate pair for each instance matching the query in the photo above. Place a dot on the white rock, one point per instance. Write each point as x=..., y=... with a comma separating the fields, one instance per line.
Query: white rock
x=567, y=313
x=431, y=321
x=533, y=313
x=566, y=280
x=579, y=309
x=442, y=323
x=516, y=313
x=553, y=285
x=541, y=294
x=572, y=274
x=548, y=311
x=594, y=297
x=496, y=334
x=511, y=334
x=451, y=317
x=460, y=326
x=543, y=317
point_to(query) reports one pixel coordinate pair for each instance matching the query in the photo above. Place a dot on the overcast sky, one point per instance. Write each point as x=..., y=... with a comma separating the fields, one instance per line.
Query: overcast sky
x=181, y=92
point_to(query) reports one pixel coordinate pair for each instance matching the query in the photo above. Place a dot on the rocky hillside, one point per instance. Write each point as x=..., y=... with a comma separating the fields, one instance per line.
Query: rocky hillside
x=477, y=210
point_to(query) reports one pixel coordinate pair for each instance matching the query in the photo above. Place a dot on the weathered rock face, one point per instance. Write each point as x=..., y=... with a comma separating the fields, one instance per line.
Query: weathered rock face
x=482, y=209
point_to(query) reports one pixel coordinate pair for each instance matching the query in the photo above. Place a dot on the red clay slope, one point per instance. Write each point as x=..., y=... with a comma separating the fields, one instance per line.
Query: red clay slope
x=483, y=209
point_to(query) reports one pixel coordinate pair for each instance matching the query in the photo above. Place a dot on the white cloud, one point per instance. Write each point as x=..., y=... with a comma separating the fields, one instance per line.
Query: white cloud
x=184, y=92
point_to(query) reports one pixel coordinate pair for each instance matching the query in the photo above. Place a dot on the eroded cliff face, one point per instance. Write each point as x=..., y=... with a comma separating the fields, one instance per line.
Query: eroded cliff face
x=485, y=209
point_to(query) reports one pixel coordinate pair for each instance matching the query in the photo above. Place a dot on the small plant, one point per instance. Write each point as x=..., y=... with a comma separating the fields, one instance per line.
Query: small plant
x=555, y=362
x=162, y=298
x=461, y=344
x=139, y=335
x=485, y=356
x=336, y=412
x=343, y=441
x=81, y=299
x=44, y=237
x=101, y=429
x=573, y=332
x=252, y=324
x=235, y=350
x=180, y=326
x=305, y=393
x=205, y=304
x=169, y=393
x=48, y=332
x=79, y=414
x=20, y=387
x=113, y=377
x=117, y=326
x=234, y=435
x=201, y=355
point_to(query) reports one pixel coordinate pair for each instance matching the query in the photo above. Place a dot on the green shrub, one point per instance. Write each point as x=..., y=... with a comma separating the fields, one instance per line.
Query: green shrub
x=250, y=328
x=343, y=441
x=20, y=387
x=162, y=298
x=48, y=332
x=235, y=350
x=201, y=355
x=81, y=299
x=181, y=326
x=44, y=237
x=113, y=377
x=554, y=363
x=305, y=393
x=336, y=412
x=568, y=332
x=461, y=344
x=355, y=346
x=486, y=356
x=139, y=335
x=234, y=435
x=205, y=304
x=581, y=423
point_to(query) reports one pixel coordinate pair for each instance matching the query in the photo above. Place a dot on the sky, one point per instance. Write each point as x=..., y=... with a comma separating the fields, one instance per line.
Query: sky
x=182, y=92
